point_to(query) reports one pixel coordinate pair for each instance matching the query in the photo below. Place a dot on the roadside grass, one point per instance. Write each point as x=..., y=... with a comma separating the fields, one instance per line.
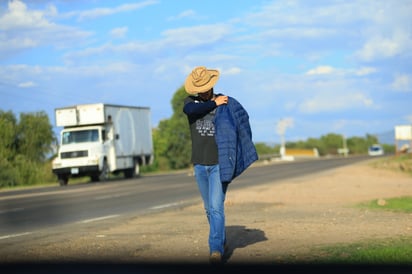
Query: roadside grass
x=397, y=204
x=391, y=251
x=372, y=252
x=400, y=163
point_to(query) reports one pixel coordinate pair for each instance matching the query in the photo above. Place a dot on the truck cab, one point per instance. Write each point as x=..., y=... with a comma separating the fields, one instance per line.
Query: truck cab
x=83, y=152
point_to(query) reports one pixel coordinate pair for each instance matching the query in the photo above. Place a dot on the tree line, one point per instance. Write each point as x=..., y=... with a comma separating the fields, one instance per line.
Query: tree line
x=329, y=144
x=26, y=145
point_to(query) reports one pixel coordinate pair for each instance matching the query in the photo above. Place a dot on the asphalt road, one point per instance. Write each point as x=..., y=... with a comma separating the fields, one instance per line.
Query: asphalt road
x=25, y=211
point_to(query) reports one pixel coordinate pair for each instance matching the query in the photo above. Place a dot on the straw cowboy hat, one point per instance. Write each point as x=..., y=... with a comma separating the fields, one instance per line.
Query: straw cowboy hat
x=201, y=80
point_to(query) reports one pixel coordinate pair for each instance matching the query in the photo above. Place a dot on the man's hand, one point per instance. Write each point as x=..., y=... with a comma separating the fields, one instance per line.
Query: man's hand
x=221, y=100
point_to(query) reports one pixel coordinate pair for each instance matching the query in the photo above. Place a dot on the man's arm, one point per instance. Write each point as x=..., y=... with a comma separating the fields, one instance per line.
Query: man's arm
x=197, y=108
x=193, y=107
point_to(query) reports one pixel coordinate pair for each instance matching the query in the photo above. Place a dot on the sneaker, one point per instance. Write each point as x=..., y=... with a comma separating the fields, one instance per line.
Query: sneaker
x=215, y=257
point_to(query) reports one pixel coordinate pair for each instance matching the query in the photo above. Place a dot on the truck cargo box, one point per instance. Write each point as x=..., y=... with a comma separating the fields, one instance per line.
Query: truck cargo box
x=81, y=115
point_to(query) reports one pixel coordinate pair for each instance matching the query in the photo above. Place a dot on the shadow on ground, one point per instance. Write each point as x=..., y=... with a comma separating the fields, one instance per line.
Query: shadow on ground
x=238, y=236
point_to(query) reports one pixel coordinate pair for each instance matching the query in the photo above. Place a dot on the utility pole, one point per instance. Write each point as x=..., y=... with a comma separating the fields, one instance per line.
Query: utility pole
x=345, y=148
x=281, y=129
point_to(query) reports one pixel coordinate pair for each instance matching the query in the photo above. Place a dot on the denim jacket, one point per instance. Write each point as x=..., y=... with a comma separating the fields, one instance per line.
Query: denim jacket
x=234, y=140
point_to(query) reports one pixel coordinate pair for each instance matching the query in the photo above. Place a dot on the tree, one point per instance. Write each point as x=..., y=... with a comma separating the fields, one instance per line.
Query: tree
x=172, y=137
x=8, y=125
x=264, y=149
x=34, y=136
x=332, y=142
x=24, y=146
x=316, y=143
x=358, y=145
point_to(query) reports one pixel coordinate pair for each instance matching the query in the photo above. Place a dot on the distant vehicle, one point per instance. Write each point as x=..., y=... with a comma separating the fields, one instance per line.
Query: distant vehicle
x=375, y=150
x=405, y=149
x=98, y=139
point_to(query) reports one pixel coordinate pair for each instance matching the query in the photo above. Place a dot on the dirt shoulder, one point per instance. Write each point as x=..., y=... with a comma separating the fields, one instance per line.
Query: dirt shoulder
x=266, y=224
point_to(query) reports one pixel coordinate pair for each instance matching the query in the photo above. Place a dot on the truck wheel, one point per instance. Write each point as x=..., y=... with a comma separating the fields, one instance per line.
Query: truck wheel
x=63, y=180
x=104, y=174
x=132, y=172
x=136, y=170
x=101, y=175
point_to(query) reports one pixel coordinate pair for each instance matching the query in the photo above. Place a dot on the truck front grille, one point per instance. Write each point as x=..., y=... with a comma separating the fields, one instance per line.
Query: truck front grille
x=74, y=154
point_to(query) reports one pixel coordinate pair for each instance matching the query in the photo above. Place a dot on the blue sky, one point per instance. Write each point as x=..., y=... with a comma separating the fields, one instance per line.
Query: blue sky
x=300, y=68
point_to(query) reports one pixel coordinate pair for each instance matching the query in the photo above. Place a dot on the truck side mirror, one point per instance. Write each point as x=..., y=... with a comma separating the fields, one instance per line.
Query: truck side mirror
x=117, y=136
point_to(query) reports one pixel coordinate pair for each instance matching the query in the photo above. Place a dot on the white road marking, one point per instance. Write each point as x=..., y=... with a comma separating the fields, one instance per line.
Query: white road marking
x=98, y=219
x=14, y=235
x=11, y=210
x=164, y=206
x=105, y=197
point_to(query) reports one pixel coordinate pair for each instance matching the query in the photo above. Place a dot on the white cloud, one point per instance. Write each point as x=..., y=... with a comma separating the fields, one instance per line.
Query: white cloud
x=27, y=85
x=19, y=17
x=380, y=31
x=321, y=70
x=382, y=47
x=17, y=43
x=301, y=33
x=295, y=13
x=119, y=32
x=332, y=102
x=365, y=71
x=16, y=75
x=180, y=38
x=183, y=14
x=99, y=12
x=345, y=125
x=23, y=28
x=196, y=36
x=108, y=49
x=325, y=70
x=232, y=71
x=338, y=125
x=402, y=82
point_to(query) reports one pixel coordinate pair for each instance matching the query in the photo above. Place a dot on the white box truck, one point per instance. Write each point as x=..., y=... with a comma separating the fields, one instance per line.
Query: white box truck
x=99, y=139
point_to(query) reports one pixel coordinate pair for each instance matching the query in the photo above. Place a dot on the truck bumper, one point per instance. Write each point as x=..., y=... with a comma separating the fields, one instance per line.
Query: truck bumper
x=76, y=171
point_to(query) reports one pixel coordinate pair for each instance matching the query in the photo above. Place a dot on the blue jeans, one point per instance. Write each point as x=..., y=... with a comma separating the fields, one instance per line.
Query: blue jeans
x=213, y=193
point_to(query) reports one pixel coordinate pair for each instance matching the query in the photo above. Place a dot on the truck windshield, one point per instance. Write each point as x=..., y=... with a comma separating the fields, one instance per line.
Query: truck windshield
x=80, y=136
